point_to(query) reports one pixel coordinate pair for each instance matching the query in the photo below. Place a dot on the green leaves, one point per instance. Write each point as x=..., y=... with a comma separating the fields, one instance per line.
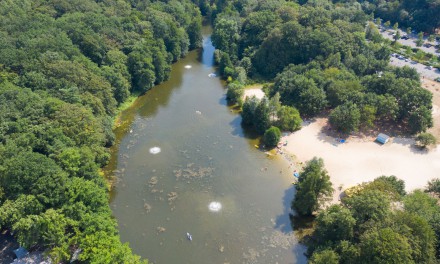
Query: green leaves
x=289, y=119
x=300, y=92
x=370, y=205
x=385, y=246
x=314, y=187
x=345, y=118
x=335, y=224
x=66, y=65
x=272, y=136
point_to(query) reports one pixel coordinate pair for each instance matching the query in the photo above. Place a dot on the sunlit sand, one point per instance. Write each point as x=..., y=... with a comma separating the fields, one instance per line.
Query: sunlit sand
x=257, y=92
x=358, y=161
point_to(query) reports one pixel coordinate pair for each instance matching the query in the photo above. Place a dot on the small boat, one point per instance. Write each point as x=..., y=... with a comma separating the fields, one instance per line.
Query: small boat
x=188, y=235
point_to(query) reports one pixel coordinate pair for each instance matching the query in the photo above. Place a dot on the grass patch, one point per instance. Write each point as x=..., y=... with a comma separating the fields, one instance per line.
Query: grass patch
x=124, y=106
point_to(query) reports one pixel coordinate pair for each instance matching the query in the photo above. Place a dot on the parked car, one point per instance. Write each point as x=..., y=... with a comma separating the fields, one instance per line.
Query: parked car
x=429, y=67
x=404, y=37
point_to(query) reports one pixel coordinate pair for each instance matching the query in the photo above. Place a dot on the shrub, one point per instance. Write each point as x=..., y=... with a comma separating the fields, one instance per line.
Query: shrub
x=272, y=136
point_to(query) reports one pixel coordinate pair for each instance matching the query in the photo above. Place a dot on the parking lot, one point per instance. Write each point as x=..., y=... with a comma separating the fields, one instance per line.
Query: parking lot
x=423, y=70
x=411, y=41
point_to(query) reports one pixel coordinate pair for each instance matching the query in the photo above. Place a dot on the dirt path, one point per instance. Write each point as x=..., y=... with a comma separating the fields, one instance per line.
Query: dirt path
x=434, y=88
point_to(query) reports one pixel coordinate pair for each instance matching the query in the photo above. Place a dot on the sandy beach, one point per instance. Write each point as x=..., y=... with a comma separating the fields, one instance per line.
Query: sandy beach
x=253, y=90
x=361, y=160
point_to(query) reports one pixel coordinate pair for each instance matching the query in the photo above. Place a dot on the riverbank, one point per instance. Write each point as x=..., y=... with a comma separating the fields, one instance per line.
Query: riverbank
x=122, y=107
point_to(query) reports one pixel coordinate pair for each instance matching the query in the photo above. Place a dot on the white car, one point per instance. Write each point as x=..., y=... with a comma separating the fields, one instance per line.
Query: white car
x=429, y=67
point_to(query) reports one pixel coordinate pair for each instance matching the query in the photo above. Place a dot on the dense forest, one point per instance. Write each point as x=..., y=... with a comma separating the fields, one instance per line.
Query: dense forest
x=324, y=57
x=317, y=56
x=65, y=67
x=376, y=222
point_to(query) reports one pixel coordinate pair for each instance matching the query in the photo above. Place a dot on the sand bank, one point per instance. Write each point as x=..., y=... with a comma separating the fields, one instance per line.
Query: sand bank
x=254, y=90
x=357, y=160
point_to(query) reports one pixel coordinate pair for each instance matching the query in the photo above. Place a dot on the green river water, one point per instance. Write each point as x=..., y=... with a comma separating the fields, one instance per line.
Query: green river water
x=205, y=156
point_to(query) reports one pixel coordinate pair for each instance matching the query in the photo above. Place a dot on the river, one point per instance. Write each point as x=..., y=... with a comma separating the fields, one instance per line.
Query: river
x=179, y=148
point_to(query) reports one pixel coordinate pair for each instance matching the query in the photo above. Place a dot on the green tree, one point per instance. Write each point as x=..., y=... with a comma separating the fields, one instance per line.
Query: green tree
x=425, y=206
x=274, y=106
x=312, y=101
x=195, y=33
x=111, y=250
x=272, y=136
x=370, y=205
x=379, y=21
x=434, y=186
x=326, y=256
x=334, y=224
x=385, y=246
x=394, y=184
x=420, y=40
x=261, y=116
x=425, y=139
x=240, y=75
x=420, y=120
x=248, y=110
x=387, y=24
x=300, y=92
x=342, y=91
x=235, y=93
x=420, y=236
x=27, y=172
x=313, y=188
x=396, y=26
x=368, y=115
x=225, y=65
x=288, y=119
x=11, y=211
x=141, y=67
x=348, y=252
x=345, y=118
x=47, y=229
x=225, y=35
x=397, y=36
x=372, y=33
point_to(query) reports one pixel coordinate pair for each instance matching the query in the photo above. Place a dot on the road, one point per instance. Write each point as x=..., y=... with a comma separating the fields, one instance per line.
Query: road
x=388, y=34
x=423, y=70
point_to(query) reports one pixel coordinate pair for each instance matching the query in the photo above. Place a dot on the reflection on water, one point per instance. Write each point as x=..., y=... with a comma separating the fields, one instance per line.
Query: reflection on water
x=205, y=164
